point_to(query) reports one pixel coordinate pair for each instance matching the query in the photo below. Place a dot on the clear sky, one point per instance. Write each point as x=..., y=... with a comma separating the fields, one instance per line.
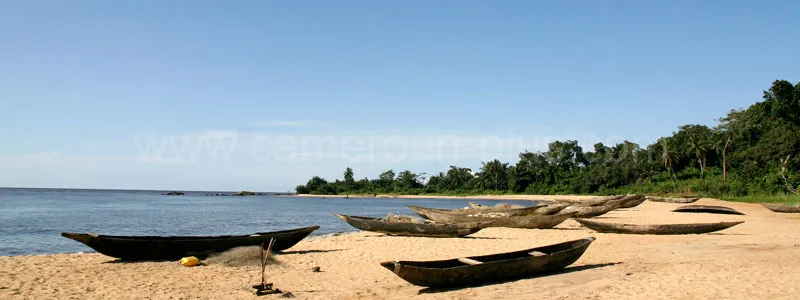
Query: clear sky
x=261, y=95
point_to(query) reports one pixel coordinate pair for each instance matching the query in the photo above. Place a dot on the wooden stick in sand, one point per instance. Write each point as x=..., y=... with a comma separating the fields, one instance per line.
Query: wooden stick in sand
x=265, y=288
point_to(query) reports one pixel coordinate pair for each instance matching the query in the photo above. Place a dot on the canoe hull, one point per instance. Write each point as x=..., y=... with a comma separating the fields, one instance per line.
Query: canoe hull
x=550, y=209
x=467, y=212
x=711, y=209
x=412, y=229
x=137, y=248
x=446, y=217
x=590, y=211
x=782, y=208
x=495, y=267
x=666, y=229
x=673, y=200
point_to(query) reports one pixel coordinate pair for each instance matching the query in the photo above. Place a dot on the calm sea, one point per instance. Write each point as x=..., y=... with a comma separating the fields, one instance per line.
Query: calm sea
x=31, y=220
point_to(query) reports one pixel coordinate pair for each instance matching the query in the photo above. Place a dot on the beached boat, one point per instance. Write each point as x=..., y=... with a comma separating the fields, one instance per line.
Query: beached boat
x=696, y=228
x=711, y=209
x=528, y=222
x=497, y=206
x=448, y=217
x=672, y=200
x=590, y=211
x=780, y=208
x=134, y=248
x=549, y=209
x=424, y=211
x=590, y=202
x=467, y=271
x=413, y=229
x=628, y=201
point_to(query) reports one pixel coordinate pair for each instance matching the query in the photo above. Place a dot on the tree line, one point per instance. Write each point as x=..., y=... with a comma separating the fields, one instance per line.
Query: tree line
x=750, y=151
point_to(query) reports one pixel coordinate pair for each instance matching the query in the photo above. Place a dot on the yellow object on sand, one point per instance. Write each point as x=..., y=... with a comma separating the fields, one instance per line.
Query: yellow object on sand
x=190, y=261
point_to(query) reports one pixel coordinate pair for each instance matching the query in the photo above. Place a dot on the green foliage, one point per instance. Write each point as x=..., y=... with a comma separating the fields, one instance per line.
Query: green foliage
x=753, y=151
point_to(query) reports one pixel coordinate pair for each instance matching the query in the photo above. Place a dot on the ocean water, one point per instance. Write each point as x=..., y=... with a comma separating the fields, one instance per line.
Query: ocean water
x=31, y=220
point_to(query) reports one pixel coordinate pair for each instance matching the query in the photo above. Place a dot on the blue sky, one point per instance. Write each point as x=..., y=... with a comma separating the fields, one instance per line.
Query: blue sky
x=261, y=95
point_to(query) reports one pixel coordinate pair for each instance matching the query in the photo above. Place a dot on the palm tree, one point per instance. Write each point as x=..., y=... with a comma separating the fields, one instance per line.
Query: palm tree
x=700, y=149
x=668, y=156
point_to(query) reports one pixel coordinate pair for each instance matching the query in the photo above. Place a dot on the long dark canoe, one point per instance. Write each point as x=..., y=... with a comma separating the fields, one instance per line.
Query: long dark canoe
x=672, y=200
x=697, y=228
x=590, y=211
x=135, y=248
x=782, y=208
x=711, y=209
x=528, y=222
x=467, y=271
x=426, y=212
x=413, y=229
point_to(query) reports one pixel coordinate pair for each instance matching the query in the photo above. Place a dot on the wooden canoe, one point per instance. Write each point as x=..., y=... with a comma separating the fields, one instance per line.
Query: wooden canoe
x=528, y=222
x=697, y=228
x=468, y=271
x=498, y=206
x=422, y=211
x=590, y=202
x=590, y=211
x=672, y=200
x=549, y=209
x=711, y=209
x=628, y=201
x=136, y=248
x=780, y=208
x=413, y=229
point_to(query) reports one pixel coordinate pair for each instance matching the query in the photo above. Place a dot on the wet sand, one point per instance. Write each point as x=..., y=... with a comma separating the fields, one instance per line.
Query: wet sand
x=759, y=259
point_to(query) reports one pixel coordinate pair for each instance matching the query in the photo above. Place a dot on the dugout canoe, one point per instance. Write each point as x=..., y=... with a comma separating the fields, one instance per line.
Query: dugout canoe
x=137, y=248
x=590, y=202
x=711, y=209
x=590, y=211
x=511, y=212
x=475, y=270
x=672, y=200
x=440, y=230
x=628, y=201
x=527, y=222
x=497, y=206
x=780, y=208
x=661, y=229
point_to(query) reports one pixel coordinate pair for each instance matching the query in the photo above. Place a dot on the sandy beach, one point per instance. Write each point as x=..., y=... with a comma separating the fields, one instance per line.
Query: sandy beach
x=754, y=260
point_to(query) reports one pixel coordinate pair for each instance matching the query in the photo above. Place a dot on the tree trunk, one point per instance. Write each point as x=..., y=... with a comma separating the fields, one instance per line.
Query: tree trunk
x=725, y=160
x=700, y=163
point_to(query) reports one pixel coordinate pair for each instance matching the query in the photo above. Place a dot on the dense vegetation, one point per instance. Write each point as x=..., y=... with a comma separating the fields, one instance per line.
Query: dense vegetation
x=750, y=152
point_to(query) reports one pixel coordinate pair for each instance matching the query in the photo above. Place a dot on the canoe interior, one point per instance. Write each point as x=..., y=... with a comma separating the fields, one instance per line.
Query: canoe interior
x=476, y=270
x=452, y=263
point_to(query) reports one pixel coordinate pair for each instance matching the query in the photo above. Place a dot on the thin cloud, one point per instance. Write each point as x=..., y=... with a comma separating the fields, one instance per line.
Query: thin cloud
x=45, y=154
x=286, y=123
